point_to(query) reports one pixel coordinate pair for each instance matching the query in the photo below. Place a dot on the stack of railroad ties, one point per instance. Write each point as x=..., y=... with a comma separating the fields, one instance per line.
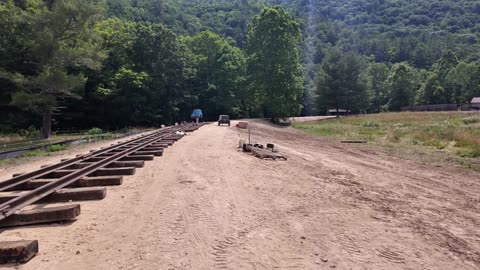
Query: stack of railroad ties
x=79, y=179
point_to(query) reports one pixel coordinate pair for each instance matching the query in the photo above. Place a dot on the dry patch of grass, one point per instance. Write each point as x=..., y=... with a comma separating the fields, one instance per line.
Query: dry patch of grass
x=456, y=134
x=10, y=138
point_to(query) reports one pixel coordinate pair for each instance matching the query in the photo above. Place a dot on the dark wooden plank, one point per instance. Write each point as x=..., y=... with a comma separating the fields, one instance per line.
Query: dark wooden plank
x=59, y=173
x=79, y=165
x=152, y=148
x=114, y=171
x=142, y=153
x=96, y=181
x=17, y=251
x=354, y=141
x=133, y=158
x=120, y=164
x=42, y=215
x=63, y=195
x=76, y=194
x=159, y=145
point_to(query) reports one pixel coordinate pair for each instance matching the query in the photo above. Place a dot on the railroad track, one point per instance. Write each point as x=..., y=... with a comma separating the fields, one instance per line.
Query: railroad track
x=82, y=178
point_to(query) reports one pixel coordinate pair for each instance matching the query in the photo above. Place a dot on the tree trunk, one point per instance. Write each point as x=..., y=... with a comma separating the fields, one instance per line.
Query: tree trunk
x=47, y=125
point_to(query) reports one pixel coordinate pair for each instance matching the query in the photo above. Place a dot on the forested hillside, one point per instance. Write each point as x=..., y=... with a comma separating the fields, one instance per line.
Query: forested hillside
x=224, y=17
x=118, y=63
x=389, y=30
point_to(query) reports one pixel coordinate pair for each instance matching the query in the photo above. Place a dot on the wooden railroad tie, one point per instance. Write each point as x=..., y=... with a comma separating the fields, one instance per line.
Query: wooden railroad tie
x=17, y=251
x=42, y=215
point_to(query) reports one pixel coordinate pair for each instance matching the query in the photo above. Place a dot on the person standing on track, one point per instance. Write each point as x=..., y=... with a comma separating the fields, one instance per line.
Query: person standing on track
x=197, y=114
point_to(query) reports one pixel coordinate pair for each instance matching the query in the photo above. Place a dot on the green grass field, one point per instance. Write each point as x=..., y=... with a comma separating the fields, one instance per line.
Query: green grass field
x=453, y=133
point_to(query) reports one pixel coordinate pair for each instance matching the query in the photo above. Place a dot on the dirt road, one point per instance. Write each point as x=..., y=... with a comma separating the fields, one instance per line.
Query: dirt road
x=206, y=205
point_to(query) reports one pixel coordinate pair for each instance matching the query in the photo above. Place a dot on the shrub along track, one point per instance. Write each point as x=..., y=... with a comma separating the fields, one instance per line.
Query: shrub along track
x=81, y=178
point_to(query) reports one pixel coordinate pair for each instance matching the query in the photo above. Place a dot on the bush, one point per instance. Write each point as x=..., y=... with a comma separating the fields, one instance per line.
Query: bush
x=45, y=151
x=35, y=153
x=30, y=133
x=94, y=131
x=56, y=148
x=107, y=136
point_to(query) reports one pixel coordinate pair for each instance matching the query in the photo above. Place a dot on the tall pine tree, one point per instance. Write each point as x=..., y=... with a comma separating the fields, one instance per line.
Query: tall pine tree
x=340, y=83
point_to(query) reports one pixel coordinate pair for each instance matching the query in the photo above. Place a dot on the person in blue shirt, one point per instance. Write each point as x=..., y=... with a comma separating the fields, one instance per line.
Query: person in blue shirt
x=197, y=114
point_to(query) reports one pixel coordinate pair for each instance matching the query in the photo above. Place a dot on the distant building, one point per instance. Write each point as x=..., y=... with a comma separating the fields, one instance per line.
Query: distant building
x=431, y=107
x=340, y=112
x=475, y=103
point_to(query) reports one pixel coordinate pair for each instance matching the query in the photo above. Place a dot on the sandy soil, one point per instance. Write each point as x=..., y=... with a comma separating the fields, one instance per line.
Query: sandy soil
x=207, y=205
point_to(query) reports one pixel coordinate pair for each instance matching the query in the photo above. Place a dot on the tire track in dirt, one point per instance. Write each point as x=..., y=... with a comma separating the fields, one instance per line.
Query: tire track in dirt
x=221, y=252
x=178, y=227
x=390, y=255
x=201, y=217
x=351, y=247
x=397, y=205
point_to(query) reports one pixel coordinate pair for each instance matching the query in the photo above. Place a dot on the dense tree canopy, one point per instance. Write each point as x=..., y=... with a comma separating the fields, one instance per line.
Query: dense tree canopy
x=220, y=81
x=340, y=83
x=118, y=63
x=60, y=40
x=377, y=74
x=143, y=77
x=273, y=62
x=401, y=85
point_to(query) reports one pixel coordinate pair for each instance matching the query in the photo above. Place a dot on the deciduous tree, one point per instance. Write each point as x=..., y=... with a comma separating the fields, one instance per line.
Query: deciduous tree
x=62, y=40
x=274, y=68
x=377, y=75
x=402, y=85
x=219, y=84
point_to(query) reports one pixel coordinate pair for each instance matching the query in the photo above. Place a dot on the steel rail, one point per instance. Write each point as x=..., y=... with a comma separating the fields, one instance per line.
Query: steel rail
x=18, y=180
x=12, y=206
